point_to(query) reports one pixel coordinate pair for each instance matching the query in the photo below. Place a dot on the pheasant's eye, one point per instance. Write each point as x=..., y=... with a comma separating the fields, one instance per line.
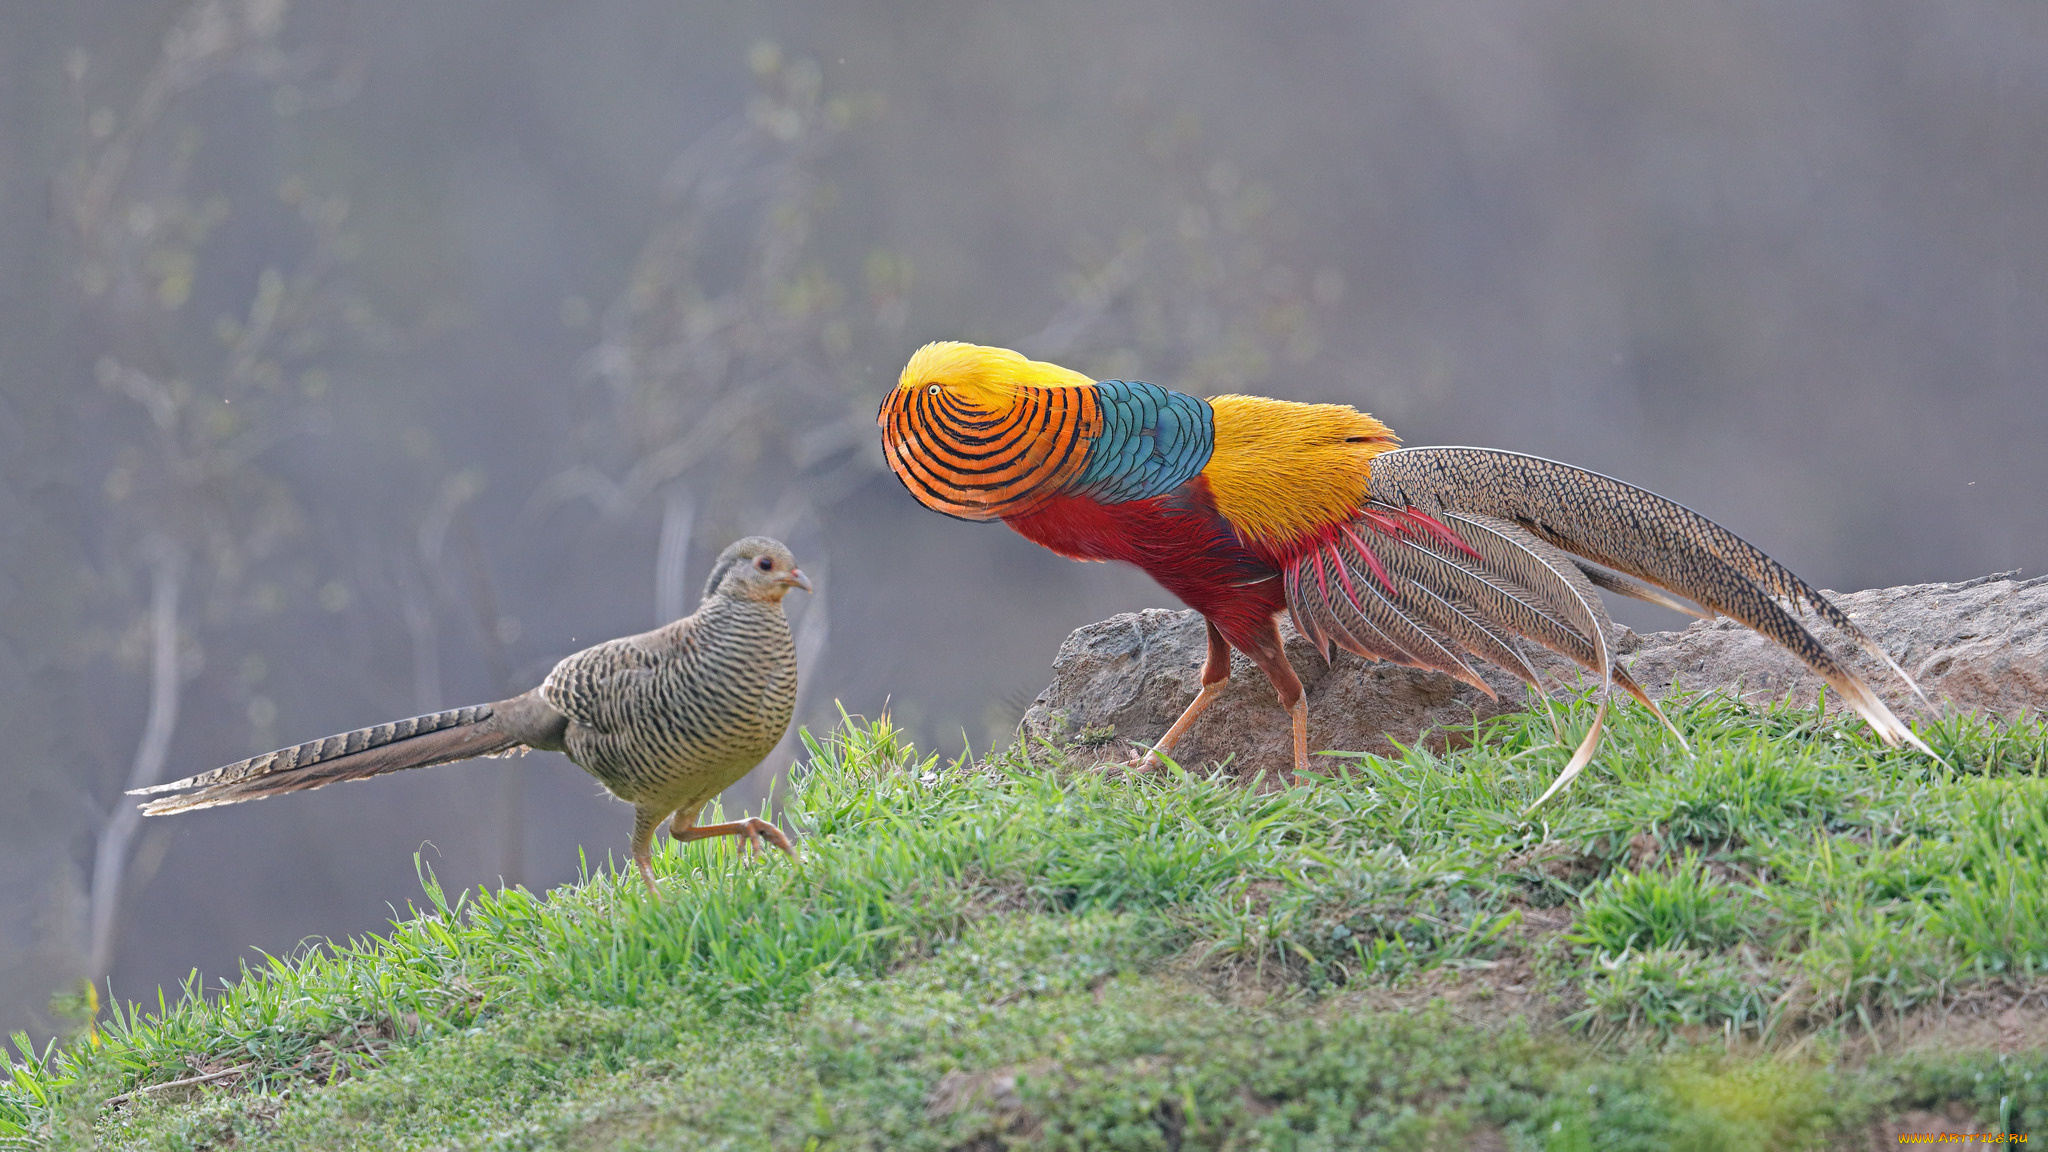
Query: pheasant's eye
x=934, y=389
x=765, y=564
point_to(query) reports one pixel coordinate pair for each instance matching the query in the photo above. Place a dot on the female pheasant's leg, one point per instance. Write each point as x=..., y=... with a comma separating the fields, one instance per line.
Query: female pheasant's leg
x=1215, y=676
x=644, y=824
x=751, y=831
x=1270, y=655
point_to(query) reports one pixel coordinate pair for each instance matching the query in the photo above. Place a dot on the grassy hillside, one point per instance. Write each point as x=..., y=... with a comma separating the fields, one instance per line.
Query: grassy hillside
x=1792, y=937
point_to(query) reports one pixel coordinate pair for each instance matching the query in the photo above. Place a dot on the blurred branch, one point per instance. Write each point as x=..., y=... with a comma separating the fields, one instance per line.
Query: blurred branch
x=449, y=515
x=577, y=482
x=1090, y=303
x=716, y=382
x=678, y=517
x=209, y=38
x=110, y=859
x=1195, y=294
x=814, y=631
x=222, y=367
x=422, y=628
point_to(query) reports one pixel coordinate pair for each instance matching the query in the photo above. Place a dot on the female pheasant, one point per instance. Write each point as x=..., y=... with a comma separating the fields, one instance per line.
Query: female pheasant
x=1244, y=507
x=665, y=720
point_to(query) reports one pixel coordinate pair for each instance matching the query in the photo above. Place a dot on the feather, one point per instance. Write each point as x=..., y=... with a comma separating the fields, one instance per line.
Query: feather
x=1422, y=644
x=1150, y=442
x=1646, y=536
x=420, y=742
x=979, y=462
x=1283, y=473
x=1635, y=589
x=1448, y=605
x=1498, y=584
x=1502, y=583
x=1316, y=616
x=1504, y=603
x=1580, y=758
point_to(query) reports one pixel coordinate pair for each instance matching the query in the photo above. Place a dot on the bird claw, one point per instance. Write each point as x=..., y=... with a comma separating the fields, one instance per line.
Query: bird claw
x=753, y=830
x=750, y=831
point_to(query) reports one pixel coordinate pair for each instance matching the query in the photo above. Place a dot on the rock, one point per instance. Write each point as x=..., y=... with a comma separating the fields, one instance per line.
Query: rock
x=1981, y=644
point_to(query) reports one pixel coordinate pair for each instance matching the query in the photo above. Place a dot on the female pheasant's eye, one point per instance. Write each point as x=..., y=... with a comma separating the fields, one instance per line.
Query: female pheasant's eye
x=934, y=389
x=764, y=564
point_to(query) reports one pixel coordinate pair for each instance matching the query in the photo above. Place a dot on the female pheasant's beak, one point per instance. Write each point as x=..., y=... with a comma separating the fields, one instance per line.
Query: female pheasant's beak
x=797, y=579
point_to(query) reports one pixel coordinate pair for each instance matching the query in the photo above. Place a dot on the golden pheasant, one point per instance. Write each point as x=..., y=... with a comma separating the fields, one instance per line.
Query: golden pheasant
x=1245, y=507
x=665, y=720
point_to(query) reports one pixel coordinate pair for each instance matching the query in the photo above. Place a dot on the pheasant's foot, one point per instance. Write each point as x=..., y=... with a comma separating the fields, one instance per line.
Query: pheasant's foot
x=756, y=830
x=1142, y=760
x=1150, y=757
x=751, y=832
x=647, y=874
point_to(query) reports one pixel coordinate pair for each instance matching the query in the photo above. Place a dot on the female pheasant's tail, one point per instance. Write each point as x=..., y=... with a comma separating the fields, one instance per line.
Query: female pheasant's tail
x=1466, y=551
x=422, y=741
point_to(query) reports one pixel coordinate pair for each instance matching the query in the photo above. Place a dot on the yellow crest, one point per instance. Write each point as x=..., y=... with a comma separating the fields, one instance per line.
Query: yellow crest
x=984, y=376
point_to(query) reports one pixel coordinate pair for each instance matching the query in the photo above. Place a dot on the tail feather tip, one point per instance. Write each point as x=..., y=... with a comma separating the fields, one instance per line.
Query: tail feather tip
x=153, y=789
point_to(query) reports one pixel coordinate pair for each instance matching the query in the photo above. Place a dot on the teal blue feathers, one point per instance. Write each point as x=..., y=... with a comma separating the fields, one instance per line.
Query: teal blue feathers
x=1153, y=440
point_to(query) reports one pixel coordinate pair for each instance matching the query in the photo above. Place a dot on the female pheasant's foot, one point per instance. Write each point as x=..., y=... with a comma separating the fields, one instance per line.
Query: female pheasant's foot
x=647, y=874
x=751, y=832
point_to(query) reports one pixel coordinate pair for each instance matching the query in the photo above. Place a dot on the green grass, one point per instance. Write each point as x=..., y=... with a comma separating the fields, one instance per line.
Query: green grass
x=1721, y=951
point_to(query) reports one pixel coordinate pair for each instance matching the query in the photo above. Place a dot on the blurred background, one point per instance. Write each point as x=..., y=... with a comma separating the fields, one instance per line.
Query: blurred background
x=360, y=358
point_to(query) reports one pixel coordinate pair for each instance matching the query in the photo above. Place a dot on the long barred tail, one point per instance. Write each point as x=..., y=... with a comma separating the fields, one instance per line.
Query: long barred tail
x=419, y=742
x=1650, y=538
x=1628, y=529
x=1463, y=552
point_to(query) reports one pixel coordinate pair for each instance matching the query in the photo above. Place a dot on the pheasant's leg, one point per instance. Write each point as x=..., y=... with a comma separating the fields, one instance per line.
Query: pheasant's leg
x=1270, y=655
x=1215, y=676
x=1150, y=757
x=1299, y=715
x=751, y=832
x=644, y=823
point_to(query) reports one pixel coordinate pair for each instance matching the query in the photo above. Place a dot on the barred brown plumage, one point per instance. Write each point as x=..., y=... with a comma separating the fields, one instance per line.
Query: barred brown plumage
x=665, y=720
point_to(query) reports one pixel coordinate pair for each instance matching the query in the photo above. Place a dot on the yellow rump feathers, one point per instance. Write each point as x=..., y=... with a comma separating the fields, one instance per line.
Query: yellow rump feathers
x=1283, y=472
x=987, y=377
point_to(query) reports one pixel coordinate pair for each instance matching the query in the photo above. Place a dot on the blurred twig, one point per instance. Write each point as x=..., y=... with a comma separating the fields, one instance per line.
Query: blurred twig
x=110, y=857
x=187, y=496
x=717, y=383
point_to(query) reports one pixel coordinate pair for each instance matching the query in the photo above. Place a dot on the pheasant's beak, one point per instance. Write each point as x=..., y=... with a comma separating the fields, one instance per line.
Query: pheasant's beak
x=797, y=579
